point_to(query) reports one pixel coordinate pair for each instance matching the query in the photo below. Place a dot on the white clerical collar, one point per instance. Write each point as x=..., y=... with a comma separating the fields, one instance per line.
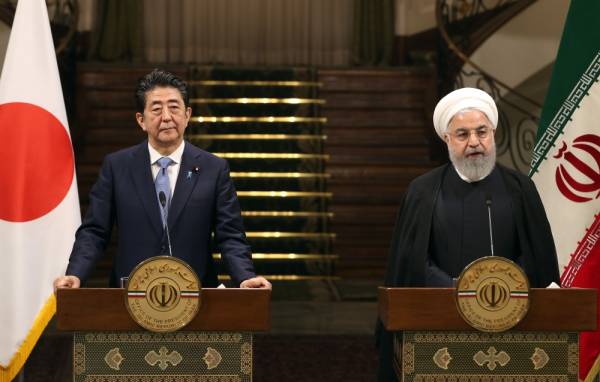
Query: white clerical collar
x=467, y=179
x=175, y=155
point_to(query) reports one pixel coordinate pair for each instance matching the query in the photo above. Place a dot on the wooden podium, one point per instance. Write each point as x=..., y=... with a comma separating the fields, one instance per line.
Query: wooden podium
x=108, y=346
x=432, y=343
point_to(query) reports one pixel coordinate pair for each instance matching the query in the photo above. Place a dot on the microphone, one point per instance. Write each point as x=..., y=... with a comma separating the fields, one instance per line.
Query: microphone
x=488, y=203
x=162, y=198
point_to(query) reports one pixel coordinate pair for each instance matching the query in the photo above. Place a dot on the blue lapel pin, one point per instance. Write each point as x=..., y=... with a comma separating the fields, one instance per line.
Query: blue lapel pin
x=194, y=170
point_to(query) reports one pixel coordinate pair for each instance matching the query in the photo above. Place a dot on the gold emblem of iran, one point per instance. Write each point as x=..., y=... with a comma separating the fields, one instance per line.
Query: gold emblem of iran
x=492, y=294
x=163, y=294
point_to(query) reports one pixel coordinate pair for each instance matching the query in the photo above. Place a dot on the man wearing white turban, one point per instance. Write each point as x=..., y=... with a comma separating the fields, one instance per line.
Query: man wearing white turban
x=442, y=224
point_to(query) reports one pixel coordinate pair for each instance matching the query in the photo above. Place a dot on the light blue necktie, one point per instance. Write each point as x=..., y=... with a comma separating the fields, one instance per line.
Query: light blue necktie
x=161, y=183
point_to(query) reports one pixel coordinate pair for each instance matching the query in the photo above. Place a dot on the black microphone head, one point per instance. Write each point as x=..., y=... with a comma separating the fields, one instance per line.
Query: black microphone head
x=162, y=198
x=488, y=199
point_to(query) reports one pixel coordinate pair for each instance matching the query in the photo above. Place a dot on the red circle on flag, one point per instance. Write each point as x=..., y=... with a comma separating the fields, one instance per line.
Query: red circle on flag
x=36, y=162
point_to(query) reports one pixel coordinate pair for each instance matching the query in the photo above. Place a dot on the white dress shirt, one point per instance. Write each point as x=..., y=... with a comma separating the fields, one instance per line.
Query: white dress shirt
x=172, y=170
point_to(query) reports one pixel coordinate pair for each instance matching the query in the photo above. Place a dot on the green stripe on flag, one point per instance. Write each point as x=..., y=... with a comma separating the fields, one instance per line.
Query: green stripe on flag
x=578, y=53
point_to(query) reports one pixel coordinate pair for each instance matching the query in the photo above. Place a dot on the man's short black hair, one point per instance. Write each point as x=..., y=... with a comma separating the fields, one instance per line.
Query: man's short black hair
x=159, y=78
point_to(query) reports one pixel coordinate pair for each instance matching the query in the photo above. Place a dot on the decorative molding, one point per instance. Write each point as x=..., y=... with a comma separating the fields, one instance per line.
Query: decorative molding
x=163, y=358
x=212, y=358
x=114, y=358
x=442, y=358
x=492, y=358
x=78, y=359
x=539, y=358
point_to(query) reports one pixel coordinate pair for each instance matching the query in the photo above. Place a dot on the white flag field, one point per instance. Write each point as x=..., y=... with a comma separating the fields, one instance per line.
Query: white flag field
x=39, y=203
x=566, y=163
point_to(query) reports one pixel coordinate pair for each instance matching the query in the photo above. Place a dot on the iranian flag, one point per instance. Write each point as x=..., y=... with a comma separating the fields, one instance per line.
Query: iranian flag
x=39, y=204
x=566, y=162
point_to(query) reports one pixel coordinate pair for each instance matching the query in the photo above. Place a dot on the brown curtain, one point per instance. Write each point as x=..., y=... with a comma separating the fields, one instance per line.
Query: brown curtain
x=249, y=32
x=118, y=31
x=245, y=32
x=373, y=40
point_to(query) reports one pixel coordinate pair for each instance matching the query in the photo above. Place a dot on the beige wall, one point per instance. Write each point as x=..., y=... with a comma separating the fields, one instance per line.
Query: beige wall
x=523, y=46
x=526, y=44
x=414, y=16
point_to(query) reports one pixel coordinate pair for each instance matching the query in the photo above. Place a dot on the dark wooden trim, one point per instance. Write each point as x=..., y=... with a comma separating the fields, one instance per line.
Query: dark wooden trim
x=571, y=310
x=408, y=48
x=103, y=309
x=7, y=14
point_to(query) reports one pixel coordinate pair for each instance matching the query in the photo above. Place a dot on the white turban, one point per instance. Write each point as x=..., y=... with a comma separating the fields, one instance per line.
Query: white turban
x=465, y=98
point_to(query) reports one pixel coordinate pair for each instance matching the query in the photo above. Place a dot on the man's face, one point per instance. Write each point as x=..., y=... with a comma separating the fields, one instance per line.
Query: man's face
x=165, y=117
x=471, y=145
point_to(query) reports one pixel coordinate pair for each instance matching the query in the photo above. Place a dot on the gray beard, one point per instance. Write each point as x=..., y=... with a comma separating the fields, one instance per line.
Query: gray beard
x=474, y=169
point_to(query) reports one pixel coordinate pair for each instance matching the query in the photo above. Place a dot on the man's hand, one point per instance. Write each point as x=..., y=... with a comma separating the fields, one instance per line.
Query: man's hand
x=67, y=282
x=256, y=282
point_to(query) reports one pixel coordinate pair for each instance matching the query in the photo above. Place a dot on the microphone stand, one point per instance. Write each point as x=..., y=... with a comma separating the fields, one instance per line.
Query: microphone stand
x=488, y=202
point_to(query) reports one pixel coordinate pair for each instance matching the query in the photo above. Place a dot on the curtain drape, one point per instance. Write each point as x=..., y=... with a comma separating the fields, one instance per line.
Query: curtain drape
x=245, y=32
x=249, y=32
x=118, y=31
x=373, y=39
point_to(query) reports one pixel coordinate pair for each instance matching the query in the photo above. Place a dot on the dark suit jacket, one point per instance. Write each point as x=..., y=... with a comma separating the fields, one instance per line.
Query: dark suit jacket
x=204, y=201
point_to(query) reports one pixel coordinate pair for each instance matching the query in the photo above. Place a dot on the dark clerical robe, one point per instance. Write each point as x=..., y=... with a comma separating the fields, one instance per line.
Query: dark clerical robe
x=442, y=226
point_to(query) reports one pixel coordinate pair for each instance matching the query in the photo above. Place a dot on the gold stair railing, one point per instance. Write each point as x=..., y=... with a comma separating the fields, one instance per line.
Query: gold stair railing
x=258, y=83
x=270, y=131
x=264, y=100
x=274, y=277
x=257, y=174
x=259, y=137
x=284, y=194
x=287, y=256
x=267, y=119
x=288, y=214
x=272, y=156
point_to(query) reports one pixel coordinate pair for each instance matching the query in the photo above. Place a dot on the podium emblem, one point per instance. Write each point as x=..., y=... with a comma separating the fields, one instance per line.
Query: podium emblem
x=163, y=294
x=492, y=294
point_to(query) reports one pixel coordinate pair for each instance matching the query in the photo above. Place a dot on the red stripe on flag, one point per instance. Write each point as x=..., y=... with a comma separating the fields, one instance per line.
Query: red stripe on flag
x=582, y=272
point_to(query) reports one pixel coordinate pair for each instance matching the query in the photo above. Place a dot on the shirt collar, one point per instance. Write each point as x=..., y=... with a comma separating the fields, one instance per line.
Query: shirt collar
x=175, y=155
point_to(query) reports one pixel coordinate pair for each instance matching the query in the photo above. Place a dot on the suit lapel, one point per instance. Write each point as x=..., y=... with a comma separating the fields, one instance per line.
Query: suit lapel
x=144, y=185
x=186, y=181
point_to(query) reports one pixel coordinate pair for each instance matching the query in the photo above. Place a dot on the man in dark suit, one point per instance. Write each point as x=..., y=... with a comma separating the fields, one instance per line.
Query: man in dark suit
x=134, y=190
